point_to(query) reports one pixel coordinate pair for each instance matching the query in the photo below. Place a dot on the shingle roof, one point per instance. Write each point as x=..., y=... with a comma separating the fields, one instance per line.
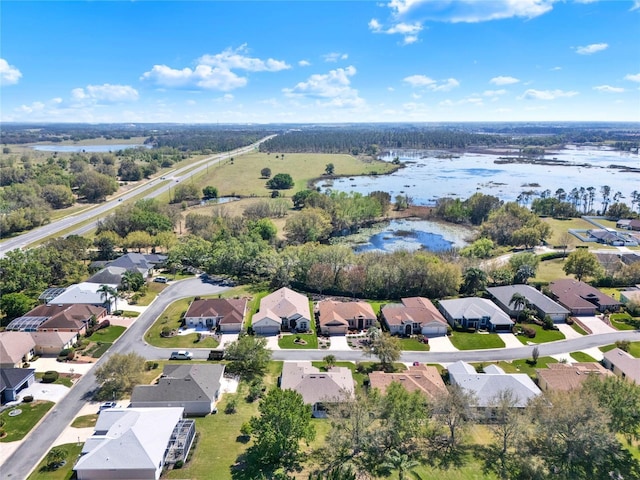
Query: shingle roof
x=576, y=295
x=569, y=376
x=629, y=365
x=108, y=275
x=14, y=345
x=182, y=383
x=474, y=307
x=316, y=386
x=52, y=339
x=138, y=261
x=85, y=292
x=423, y=378
x=285, y=303
x=232, y=311
x=418, y=310
x=503, y=295
x=13, y=377
x=338, y=313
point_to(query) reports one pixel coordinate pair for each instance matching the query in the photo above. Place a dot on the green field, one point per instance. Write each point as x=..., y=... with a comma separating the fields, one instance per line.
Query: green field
x=525, y=365
x=476, y=341
x=18, y=426
x=61, y=380
x=558, y=227
x=85, y=421
x=107, y=335
x=542, y=335
x=550, y=270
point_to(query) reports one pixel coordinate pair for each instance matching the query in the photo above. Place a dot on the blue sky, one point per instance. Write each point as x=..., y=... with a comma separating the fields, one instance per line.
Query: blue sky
x=330, y=61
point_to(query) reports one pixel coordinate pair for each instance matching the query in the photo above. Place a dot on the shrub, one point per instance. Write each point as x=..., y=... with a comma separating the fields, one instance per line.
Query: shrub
x=178, y=464
x=529, y=332
x=64, y=352
x=50, y=376
x=103, y=324
x=71, y=355
x=231, y=407
x=117, y=313
x=569, y=321
x=27, y=398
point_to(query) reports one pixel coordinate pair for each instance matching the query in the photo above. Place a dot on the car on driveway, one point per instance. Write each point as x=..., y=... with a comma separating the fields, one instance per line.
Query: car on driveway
x=181, y=355
x=107, y=405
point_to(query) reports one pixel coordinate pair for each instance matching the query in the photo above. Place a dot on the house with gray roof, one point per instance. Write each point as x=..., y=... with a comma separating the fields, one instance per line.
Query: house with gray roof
x=474, y=312
x=13, y=380
x=486, y=386
x=135, y=443
x=145, y=263
x=541, y=303
x=622, y=364
x=85, y=293
x=195, y=388
x=108, y=276
x=317, y=388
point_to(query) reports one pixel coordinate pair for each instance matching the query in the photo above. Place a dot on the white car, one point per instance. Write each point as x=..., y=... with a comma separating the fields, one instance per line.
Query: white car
x=181, y=355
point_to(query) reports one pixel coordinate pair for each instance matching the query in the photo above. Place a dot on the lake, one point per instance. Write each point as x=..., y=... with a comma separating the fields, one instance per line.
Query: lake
x=427, y=177
x=87, y=148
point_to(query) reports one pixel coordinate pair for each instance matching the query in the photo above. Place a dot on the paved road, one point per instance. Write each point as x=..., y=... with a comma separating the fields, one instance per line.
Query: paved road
x=158, y=186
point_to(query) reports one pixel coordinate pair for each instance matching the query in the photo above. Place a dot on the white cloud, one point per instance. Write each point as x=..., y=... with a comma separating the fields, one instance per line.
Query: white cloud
x=494, y=93
x=532, y=94
x=34, y=107
x=214, y=72
x=476, y=101
x=635, y=6
x=304, y=63
x=330, y=89
x=422, y=81
x=555, y=69
x=226, y=98
x=609, y=89
x=333, y=57
x=503, y=80
x=469, y=11
x=409, y=31
x=9, y=75
x=593, y=48
x=633, y=77
x=105, y=93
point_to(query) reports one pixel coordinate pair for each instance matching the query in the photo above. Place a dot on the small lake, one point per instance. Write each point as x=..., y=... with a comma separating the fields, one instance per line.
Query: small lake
x=410, y=235
x=87, y=148
x=430, y=175
x=219, y=200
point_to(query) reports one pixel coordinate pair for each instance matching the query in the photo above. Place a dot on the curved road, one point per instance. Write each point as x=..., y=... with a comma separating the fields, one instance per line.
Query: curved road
x=39, y=441
x=158, y=185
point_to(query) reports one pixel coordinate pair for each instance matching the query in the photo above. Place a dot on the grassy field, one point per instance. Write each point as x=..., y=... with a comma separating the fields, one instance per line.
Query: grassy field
x=550, y=270
x=476, y=341
x=85, y=421
x=558, y=227
x=17, y=427
x=109, y=334
x=153, y=289
x=242, y=176
x=582, y=357
x=618, y=320
x=578, y=329
x=542, y=335
x=63, y=473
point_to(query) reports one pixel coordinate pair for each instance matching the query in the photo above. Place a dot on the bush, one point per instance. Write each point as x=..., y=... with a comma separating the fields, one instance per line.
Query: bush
x=551, y=256
x=71, y=355
x=178, y=464
x=117, y=313
x=50, y=376
x=64, y=352
x=569, y=321
x=231, y=407
x=27, y=398
x=529, y=332
x=103, y=324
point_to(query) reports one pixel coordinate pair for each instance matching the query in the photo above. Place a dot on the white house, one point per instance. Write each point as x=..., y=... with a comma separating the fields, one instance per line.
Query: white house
x=283, y=309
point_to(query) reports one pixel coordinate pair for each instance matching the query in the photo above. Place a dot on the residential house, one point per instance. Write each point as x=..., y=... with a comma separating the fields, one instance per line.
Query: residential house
x=337, y=318
x=631, y=295
x=317, y=388
x=283, y=309
x=581, y=298
x=486, y=386
x=52, y=343
x=144, y=263
x=622, y=364
x=624, y=223
x=13, y=380
x=607, y=237
x=87, y=294
x=415, y=315
x=422, y=378
x=135, y=443
x=474, y=312
x=108, y=276
x=16, y=348
x=563, y=377
x=225, y=314
x=58, y=318
x=543, y=305
x=196, y=388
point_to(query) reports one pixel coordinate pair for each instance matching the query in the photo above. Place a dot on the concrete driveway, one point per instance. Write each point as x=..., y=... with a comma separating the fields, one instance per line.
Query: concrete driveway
x=45, y=391
x=339, y=343
x=596, y=325
x=44, y=364
x=567, y=331
x=442, y=344
x=510, y=340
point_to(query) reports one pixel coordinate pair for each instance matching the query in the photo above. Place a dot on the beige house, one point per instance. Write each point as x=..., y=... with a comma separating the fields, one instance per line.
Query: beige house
x=15, y=349
x=225, y=314
x=422, y=378
x=623, y=364
x=415, y=315
x=563, y=377
x=283, y=309
x=51, y=343
x=337, y=318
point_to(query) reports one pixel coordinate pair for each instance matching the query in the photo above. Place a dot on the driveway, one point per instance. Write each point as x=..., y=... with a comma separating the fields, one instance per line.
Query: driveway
x=510, y=340
x=339, y=342
x=442, y=344
x=596, y=325
x=567, y=331
x=44, y=364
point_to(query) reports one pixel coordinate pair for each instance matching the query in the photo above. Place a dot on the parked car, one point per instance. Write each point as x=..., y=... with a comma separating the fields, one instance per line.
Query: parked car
x=216, y=355
x=181, y=355
x=106, y=405
x=161, y=279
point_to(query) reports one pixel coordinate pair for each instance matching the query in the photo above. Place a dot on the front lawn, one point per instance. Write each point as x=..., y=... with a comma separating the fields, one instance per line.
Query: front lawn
x=63, y=379
x=153, y=289
x=542, y=335
x=413, y=344
x=619, y=321
x=476, y=341
x=578, y=329
x=63, y=473
x=550, y=270
x=582, y=357
x=18, y=426
x=107, y=335
x=85, y=421
x=289, y=341
x=525, y=365
x=634, y=349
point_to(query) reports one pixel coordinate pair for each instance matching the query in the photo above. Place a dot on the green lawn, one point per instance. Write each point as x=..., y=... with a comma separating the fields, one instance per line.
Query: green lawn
x=558, y=227
x=107, y=335
x=582, y=357
x=97, y=350
x=62, y=380
x=542, y=335
x=476, y=341
x=413, y=344
x=85, y=421
x=17, y=427
x=523, y=365
x=634, y=349
x=578, y=329
x=618, y=321
x=63, y=473
x=288, y=341
x=550, y=270
x=153, y=289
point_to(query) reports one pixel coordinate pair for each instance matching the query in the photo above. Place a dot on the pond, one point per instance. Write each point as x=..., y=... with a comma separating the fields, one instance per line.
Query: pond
x=430, y=175
x=219, y=200
x=87, y=148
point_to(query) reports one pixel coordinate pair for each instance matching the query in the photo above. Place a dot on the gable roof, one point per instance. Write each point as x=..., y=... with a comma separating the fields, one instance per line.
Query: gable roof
x=182, y=383
x=338, y=313
x=486, y=386
x=14, y=346
x=474, y=307
x=423, y=378
x=82, y=293
x=10, y=378
x=141, y=262
x=629, y=365
x=285, y=303
x=316, y=386
x=129, y=439
x=576, y=295
x=52, y=339
x=232, y=311
x=534, y=297
x=73, y=316
x=418, y=310
x=108, y=275
x=569, y=376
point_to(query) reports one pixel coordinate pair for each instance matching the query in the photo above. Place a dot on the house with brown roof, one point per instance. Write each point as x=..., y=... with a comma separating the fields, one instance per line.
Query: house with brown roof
x=51, y=342
x=337, y=318
x=283, y=309
x=16, y=348
x=422, y=378
x=622, y=364
x=58, y=318
x=563, y=377
x=415, y=315
x=225, y=314
x=581, y=298
x=317, y=388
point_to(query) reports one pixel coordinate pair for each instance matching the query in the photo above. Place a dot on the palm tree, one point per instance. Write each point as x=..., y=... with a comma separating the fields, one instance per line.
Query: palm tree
x=108, y=293
x=400, y=462
x=519, y=302
x=330, y=360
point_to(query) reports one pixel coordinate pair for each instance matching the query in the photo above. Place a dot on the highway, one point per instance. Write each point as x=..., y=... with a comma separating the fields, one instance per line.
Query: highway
x=155, y=187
